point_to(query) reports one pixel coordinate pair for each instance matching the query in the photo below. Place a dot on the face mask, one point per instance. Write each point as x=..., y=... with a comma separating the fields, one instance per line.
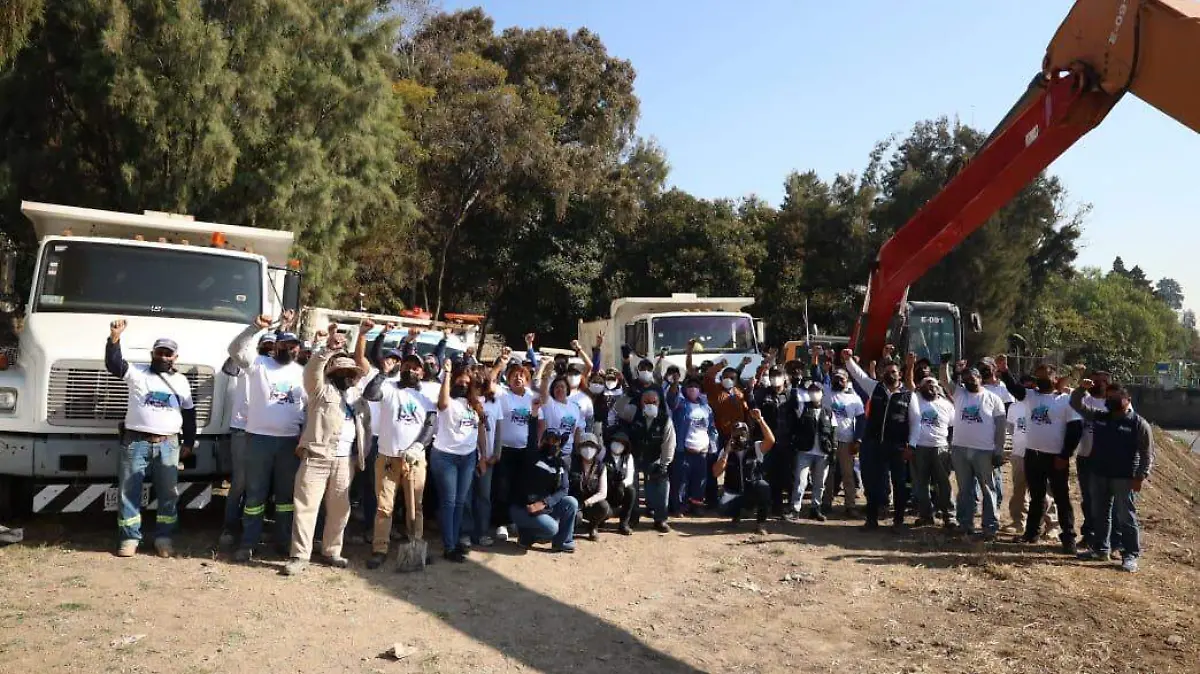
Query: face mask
x=430, y=372
x=266, y=350
x=973, y=387
x=458, y=391
x=891, y=379
x=1044, y=385
x=1098, y=391
x=617, y=448
x=303, y=358
x=673, y=378
x=410, y=379
x=814, y=398
x=284, y=357
x=650, y=411
x=160, y=365
x=340, y=382
x=929, y=395
x=777, y=382
x=986, y=373
x=727, y=383
x=1112, y=404
x=692, y=393
x=611, y=384
x=588, y=453
x=839, y=384
x=573, y=381
x=645, y=376
x=551, y=448
x=596, y=388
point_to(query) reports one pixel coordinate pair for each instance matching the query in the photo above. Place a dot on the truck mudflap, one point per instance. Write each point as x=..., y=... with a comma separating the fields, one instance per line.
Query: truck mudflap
x=96, y=497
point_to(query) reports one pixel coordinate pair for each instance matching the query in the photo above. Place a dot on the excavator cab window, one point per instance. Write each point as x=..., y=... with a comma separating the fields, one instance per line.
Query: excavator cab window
x=929, y=334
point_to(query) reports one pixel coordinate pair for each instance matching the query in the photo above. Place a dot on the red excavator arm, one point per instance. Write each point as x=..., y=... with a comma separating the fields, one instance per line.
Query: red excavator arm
x=1103, y=49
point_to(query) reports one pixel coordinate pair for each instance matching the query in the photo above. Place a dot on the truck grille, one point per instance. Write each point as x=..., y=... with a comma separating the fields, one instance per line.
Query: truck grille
x=83, y=393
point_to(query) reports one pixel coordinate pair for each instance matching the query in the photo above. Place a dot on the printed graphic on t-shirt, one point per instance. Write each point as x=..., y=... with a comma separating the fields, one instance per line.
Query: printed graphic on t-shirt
x=158, y=399
x=283, y=394
x=1040, y=416
x=469, y=420
x=407, y=414
x=520, y=416
x=1022, y=424
x=838, y=409
x=971, y=414
x=567, y=424
x=700, y=423
x=929, y=418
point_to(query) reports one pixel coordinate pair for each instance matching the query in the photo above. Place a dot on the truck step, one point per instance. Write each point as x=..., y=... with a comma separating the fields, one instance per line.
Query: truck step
x=78, y=498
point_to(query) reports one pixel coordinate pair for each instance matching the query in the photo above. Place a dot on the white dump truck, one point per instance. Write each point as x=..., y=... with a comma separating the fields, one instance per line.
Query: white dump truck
x=168, y=275
x=664, y=325
x=314, y=319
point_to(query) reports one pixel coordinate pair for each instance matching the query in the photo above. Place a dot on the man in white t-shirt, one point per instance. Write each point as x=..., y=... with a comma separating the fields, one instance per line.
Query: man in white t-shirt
x=929, y=418
x=850, y=422
x=1054, y=433
x=237, y=444
x=980, y=429
x=274, y=419
x=160, y=409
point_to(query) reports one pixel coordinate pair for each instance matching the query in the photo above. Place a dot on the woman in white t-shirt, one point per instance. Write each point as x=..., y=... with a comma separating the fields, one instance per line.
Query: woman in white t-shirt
x=454, y=458
x=479, y=507
x=560, y=414
x=512, y=423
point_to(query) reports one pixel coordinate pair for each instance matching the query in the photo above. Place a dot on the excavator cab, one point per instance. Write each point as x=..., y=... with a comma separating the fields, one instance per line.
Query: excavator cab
x=929, y=330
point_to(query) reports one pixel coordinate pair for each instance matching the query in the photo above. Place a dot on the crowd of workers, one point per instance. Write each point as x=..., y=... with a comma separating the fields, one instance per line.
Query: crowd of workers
x=530, y=449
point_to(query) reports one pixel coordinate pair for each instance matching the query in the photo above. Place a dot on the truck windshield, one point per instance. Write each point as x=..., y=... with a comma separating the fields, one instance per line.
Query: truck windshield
x=932, y=333
x=714, y=334
x=108, y=278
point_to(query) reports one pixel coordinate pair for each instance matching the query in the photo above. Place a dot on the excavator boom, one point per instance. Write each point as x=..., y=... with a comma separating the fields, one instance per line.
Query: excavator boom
x=1103, y=49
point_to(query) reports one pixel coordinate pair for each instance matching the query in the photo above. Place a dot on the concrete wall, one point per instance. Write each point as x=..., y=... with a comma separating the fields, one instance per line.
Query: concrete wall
x=1179, y=408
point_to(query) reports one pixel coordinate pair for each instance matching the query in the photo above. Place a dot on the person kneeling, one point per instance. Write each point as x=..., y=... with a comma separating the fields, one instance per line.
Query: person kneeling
x=741, y=462
x=589, y=484
x=621, y=471
x=546, y=512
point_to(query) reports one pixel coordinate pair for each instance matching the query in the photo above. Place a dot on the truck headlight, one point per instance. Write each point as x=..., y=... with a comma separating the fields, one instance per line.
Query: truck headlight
x=8, y=399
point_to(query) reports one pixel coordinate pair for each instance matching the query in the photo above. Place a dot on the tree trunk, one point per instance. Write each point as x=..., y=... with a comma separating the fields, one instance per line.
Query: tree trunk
x=462, y=216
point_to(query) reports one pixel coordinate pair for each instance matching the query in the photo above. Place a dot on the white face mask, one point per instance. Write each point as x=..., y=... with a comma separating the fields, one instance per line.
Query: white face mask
x=596, y=387
x=645, y=376
x=573, y=380
x=815, y=397
x=616, y=448
x=673, y=378
x=777, y=381
x=588, y=453
x=727, y=383
x=650, y=411
x=611, y=384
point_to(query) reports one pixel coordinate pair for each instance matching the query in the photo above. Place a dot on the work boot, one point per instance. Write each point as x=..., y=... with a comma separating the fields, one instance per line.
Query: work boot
x=625, y=530
x=662, y=528
x=376, y=560
x=817, y=515
x=870, y=525
x=1069, y=547
x=127, y=548
x=243, y=555
x=163, y=547
x=337, y=562
x=1129, y=565
x=295, y=567
x=227, y=539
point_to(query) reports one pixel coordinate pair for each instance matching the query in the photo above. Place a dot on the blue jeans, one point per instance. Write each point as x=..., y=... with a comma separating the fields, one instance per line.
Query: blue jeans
x=973, y=470
x=452, y=474
x=656, y=492
x=689, y=475
x=369, y=500
x=162, y=460
x=881, y=461
x=237, y=479
x=1109, y=495
x=556, y=524
x=270, y=466
x=479, y=507
x=819, y=467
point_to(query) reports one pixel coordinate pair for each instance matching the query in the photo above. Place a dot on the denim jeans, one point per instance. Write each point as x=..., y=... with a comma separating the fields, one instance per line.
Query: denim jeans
x=656, y=492
x=161, y=459
x=879, y=462
x=1083, y=471
x=452, y=475
x=270, y=466
x=688, y=479
x=819, y=466
x=756, y=498
x=1109, y=495
x=973, y=470
x=237, y=479
x=369, y=500
x=556, y=524
x=478, y=515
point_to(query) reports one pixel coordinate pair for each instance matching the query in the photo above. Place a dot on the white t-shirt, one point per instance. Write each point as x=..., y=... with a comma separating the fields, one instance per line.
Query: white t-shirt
x=1085, y=443
x=583, y=401
x=402, y=413
x=929, y=421
x=457, y=428
x=564, y=418
x=492, y=411
x=697, y=439
x=975, y=418
x=846, y=406
x=376, y=414
x=277, y=398
x=516, y=411
x=1001, y=392
x=153, y=407
x=1019, y=418
x=241, y=402
x=1049, y=414
x=345, y=444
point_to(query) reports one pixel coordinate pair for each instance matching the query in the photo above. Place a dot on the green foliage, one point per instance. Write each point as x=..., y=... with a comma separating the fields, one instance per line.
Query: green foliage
x=1171, y=293
x=17, y=19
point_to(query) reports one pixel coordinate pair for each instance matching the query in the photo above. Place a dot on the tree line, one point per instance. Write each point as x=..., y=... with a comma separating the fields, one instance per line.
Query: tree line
x=428, y=159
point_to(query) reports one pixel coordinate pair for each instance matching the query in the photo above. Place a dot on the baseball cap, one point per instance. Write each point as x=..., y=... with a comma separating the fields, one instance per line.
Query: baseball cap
x=166, y=343
x=268, y=338
x=341, y=363
x=287, y=337
x=589, y=439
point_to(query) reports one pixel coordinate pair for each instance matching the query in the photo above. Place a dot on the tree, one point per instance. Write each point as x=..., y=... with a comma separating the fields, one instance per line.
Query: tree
x=1118, y=267
x=1171, y=292
x=1188, y=320
x=17, y=19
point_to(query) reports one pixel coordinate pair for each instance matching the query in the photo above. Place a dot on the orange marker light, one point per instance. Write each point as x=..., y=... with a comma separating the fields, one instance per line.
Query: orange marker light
x=218, y=240
x=294, y=265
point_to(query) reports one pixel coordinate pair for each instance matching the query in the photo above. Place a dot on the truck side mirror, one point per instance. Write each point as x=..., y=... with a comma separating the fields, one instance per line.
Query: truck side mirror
x=291, y=290
x=976, y=322
x=760, y=331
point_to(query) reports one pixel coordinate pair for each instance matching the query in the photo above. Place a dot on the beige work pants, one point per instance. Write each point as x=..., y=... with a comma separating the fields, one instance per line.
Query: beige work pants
x=392, y=473
x=321, y=480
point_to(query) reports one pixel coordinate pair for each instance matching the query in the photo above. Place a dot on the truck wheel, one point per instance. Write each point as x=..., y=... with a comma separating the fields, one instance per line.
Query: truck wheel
x=16, y=498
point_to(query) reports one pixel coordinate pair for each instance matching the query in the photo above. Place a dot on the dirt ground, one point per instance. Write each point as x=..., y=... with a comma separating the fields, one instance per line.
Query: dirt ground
x=808, y=597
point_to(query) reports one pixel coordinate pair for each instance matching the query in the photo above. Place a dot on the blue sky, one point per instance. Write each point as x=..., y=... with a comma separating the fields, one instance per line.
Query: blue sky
x=739, y=94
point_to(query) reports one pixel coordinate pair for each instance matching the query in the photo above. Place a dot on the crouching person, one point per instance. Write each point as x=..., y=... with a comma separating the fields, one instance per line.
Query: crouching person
x=589, y=484
x=622, y=481
x=160, y=408
x=741, y=462
x=546, y=512
x=335, y=438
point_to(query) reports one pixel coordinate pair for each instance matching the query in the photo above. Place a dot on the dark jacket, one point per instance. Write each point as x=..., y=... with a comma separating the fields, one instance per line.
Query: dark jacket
x=584, y=484
x=542, y=477
x=1122, y=443
x=811, y=426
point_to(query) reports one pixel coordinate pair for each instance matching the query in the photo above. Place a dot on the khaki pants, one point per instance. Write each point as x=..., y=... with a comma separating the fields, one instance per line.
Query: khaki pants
x=392, y=472
x=320, y=480
x=1018, y=508
x=846, y=461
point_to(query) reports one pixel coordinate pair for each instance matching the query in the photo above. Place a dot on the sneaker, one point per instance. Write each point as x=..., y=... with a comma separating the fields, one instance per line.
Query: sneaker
x=127, y=548
x=501, y=534
x=464, y=542
x=1069, y=547
x=790, y=516
x=1090, y=555
x=818, y=515
x=243, y=555
x=625, y=530
x=295, y=567
x=457, y=555
x=1129, y=565
x=1027, y=539
x=338, y=562
x=376, y=560
x=565, y=549
x=899, y=527
x=487, y=541
x=662, y=528
x=227, y=539
x=163, y=547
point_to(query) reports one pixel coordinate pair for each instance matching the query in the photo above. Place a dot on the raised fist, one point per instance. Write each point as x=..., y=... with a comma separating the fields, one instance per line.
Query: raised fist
x=529, y=337
x=262, y=321
x=116, y=328
x=366, y=325
x=576, y=346
x=599, y=340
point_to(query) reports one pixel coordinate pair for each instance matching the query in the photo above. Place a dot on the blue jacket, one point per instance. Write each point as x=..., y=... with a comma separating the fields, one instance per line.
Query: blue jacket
x=681, y=415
